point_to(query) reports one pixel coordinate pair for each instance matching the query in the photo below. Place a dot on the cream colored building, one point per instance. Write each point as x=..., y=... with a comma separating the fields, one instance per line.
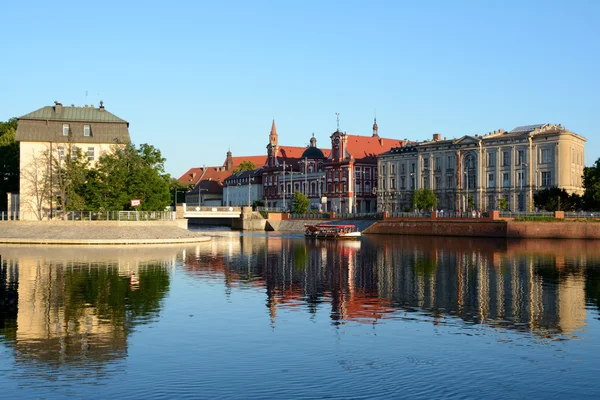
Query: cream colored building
x=46, y=136
x=476, y=172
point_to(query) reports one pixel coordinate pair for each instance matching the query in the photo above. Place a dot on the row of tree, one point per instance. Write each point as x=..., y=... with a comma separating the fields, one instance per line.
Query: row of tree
x=64, y=178
x=9, y=161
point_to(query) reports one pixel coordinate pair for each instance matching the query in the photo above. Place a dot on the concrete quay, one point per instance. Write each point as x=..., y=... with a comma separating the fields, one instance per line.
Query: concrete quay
x=97, y=233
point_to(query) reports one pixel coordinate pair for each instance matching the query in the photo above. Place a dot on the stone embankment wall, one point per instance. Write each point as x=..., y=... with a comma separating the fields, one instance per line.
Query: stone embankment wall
x=480, y=228
x=297, y=225
x=487, y=228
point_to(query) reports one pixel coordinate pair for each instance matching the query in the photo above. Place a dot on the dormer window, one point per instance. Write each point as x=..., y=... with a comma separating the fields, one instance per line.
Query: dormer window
x=65, y=129
x=87, y=131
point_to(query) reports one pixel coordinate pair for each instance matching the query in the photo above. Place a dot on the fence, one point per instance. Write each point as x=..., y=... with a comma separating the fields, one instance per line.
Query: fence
x=9, y=215
x=526, y=214
x=103, y=216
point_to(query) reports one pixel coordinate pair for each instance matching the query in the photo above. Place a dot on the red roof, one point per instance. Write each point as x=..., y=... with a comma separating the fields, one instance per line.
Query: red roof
x=259, y=161
x=367, y=148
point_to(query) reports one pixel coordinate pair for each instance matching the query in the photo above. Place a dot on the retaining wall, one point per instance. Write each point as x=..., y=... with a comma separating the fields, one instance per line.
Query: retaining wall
x=487, y=228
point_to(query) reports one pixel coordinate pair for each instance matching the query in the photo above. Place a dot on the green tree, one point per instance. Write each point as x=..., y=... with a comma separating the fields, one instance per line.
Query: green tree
x=9, y=160
x=555, y=199
x=470, y=202
x=179, y=188
x=591, y=183
x=503, y=203
x=128, y=173
x=69, y=178
x=299, y=203
x=245, y=166
x=424, y=199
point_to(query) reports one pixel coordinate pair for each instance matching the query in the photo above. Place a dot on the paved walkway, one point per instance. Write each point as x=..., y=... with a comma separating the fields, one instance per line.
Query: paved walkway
x=40, y=233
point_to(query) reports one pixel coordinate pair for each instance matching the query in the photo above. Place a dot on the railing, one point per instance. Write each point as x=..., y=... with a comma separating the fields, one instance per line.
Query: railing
x=526, y=214
x=310, y=216
x=582, y=214
x=9, y=215
x=115, y=216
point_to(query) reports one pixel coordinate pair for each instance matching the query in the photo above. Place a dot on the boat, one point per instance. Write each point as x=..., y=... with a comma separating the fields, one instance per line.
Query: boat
x=332, y=231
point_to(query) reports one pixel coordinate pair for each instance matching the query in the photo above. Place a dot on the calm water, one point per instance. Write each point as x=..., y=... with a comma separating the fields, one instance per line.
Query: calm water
x=273, y=316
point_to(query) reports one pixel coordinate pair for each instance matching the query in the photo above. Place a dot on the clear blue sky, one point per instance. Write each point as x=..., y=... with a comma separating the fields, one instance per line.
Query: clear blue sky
x=196, y=78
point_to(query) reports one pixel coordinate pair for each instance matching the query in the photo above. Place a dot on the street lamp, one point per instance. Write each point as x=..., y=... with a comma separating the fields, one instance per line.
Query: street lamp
x=249, y=181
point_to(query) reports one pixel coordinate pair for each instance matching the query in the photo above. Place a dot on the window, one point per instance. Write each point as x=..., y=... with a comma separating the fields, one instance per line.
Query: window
x=367, y=173
x=546, y=178
x=402, y=168
x=505, y=158
x=61, y=153
x=521, y=179
x=90, y=154
x=450, y=179
x=65, y=129
x=546, y=156
x=86, y=130
x=450, y=162
x=426, y=163
x=426, y=182
x=74, y=152
x=412, y=182
x=402, y=182
x=438, y=163
x=491, y=158
x=491, y=182
x=505, y=179
x=383, y=170
x=520, y=157
x=438, y=182
x=393, y=169
x=393, y=183
x=471, y=181
x=490, y=202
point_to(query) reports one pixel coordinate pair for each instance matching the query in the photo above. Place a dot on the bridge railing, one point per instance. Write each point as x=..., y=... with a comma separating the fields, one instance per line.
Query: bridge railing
x=214, y=209
x=116, y=216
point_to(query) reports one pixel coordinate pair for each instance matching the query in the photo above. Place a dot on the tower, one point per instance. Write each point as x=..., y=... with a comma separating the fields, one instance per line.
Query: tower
x=272, y=147
x=375, y=128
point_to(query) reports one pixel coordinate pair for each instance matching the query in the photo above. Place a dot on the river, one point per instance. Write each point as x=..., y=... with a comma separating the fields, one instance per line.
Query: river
x=271, y=315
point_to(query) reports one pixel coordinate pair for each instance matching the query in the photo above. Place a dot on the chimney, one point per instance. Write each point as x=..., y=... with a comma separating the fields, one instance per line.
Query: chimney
x=436, y=137
x=101, y=105
x=57, y=106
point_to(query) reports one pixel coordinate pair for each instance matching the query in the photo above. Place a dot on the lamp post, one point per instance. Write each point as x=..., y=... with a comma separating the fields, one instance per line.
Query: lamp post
x=200, y=195
x=249, y=182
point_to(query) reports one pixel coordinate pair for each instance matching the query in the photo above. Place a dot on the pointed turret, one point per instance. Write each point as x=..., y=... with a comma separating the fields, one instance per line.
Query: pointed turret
x=375, y=128
x=273, y=138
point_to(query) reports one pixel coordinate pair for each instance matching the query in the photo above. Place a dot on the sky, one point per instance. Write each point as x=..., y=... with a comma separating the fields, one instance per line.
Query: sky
x=198, y=78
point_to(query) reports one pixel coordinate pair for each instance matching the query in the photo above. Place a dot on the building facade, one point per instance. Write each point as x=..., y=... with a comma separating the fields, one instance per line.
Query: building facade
x=340, y=180
x=483, y=172
x=46, y=136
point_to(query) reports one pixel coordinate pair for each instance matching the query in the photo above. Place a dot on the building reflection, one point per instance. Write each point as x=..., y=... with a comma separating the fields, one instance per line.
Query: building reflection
x=63, y=305
x=537, y=286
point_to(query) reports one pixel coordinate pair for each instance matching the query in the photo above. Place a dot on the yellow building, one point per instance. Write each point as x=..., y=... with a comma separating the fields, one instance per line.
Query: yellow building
x=47, y=136
x=476, y=172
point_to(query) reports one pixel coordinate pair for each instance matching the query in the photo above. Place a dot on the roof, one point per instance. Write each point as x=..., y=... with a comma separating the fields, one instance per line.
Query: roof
x=105, y=127
x=313, y=152
x=526, y=128
x=367, y=148
x=259, y=161
x=68, y=114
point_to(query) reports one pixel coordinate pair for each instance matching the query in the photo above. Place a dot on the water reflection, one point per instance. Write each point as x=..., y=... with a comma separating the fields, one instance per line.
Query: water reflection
x=535, y=286
x=72, y=305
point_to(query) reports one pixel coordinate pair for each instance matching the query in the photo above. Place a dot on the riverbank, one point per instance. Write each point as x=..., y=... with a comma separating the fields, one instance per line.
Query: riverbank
x=97, y=233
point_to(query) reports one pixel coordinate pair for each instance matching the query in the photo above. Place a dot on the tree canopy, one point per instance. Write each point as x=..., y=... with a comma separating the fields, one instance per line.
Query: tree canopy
x=299, y=203
x=555, y=199
x=245, y=166
x=591, y=183
x=9, y=160
x=424, y=199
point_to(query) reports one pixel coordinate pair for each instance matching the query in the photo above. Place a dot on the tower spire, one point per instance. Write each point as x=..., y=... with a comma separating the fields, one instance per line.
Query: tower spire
x=273, y=138
x=375, y=127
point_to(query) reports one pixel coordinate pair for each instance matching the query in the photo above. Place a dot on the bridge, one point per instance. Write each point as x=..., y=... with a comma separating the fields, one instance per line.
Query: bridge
x=211, y=212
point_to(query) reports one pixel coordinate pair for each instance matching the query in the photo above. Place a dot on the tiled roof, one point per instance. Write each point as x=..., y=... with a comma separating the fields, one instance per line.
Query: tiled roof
x=259, y=161
x=367, y=148
x=81, y=114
